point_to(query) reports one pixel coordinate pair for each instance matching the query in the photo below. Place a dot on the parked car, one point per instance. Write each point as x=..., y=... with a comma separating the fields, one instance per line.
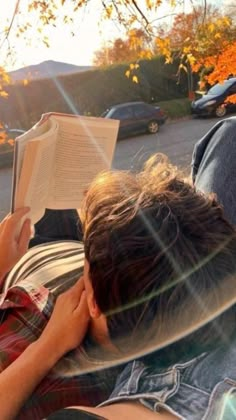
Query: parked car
x=136, y=117
x=212, y=103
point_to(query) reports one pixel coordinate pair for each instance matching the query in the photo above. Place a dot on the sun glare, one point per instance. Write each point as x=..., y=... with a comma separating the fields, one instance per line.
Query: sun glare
x=63, y=46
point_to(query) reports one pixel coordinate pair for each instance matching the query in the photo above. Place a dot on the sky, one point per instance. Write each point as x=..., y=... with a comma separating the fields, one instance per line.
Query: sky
x=63, y=47
x=91, y=34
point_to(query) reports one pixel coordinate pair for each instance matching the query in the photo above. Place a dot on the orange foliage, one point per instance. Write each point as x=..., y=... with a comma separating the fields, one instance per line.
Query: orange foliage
x=134, y=46
x=3, y=137
x=11, y=142
x=224, y=64
x=198, y=39
x=201, y=39
x=231, y=99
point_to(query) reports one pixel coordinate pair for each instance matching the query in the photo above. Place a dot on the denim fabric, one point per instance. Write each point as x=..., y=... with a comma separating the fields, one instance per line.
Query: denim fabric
x=214, y=165
x=202, y=388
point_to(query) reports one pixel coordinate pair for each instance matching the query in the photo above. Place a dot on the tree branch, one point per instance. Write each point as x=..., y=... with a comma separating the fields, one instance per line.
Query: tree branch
x=11, y=23
x=140, y=12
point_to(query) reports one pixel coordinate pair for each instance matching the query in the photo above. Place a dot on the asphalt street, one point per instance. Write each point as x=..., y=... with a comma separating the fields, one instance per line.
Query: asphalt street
x=175, y=139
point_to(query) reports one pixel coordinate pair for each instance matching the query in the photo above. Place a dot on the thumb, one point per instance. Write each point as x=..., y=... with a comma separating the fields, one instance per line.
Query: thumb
x=82, y=312
x=24, y=236
x=2, y=224
x=82, y=308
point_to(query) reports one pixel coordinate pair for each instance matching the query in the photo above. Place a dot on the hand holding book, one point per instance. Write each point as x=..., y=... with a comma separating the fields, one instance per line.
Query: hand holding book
x=58, y=158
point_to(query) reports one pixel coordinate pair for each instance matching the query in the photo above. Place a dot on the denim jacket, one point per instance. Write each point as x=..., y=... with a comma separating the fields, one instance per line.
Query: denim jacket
x=202, y=388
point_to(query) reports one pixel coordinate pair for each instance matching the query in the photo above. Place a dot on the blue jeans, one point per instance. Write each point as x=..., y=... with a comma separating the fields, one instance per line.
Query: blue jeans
x=203, y=387
x=214, y=165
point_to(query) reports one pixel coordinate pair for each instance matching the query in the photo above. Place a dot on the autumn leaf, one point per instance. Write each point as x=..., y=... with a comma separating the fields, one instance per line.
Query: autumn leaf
x=231, y=99
x=203, y=39
x=3, y=94
x=191, y=59
x=11, y=142
x=182, y=66
x=186, y=50
x=168, y=60
x=149, y=4
x=109, y=10
x=226, y=20
x=3, y=136
x=211, y=27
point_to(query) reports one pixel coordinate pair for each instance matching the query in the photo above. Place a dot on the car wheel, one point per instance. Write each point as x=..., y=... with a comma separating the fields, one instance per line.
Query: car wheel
x=153, y=127
x=220, y=111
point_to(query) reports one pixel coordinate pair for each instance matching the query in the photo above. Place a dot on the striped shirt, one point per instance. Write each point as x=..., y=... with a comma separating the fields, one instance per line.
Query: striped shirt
x=26, y=303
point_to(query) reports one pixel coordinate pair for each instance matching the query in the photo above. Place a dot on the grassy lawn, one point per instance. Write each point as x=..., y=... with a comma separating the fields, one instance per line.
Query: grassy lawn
x=176, y=108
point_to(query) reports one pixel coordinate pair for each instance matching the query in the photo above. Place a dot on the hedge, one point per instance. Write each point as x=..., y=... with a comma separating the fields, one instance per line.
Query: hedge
x=91, y=92
x=176, y=108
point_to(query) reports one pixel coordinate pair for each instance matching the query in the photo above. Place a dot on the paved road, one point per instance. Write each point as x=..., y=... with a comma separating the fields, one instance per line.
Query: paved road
x=175, y=139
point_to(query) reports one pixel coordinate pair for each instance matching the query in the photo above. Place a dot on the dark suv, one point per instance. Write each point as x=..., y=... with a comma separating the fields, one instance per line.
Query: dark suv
x=136, y=117
x=213, y=103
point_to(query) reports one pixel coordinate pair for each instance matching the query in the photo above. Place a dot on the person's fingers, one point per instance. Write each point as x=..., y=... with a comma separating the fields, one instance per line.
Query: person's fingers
x=71, y=296
x=78, y=286
x=82, y=315
x=76, y=289
x=24, y=237
x=13, y=219
x=19, y=213
x=82, y=307
x=75, y=292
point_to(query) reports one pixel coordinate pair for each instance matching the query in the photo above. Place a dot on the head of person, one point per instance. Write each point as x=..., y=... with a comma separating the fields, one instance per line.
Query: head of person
x=155, y=248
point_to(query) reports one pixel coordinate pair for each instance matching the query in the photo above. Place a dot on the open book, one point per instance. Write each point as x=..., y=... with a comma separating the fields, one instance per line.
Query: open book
x=55, y=161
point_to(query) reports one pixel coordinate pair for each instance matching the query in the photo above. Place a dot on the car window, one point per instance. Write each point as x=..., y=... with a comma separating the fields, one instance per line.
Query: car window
x=219, y=89
x=232, y=90
x=141, y=110
x=105, y=113
x=124, y=113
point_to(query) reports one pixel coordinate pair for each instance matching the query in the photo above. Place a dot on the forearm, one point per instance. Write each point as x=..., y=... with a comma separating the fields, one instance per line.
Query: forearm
x=19, y=380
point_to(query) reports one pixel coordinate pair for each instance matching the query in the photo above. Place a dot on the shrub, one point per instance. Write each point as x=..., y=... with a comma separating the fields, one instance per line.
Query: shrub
x=91, y=92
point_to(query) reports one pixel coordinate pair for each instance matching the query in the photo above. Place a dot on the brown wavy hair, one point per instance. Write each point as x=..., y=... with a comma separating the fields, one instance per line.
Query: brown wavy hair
x=156, y=248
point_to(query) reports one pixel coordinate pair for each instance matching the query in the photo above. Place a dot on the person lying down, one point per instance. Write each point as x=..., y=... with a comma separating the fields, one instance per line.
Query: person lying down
x=159, y=267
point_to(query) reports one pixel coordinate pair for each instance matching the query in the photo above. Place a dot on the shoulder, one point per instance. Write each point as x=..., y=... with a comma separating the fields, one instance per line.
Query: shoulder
x=44, y=264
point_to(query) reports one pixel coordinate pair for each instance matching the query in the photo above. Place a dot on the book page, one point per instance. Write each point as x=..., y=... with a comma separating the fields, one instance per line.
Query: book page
x=19, y=150
x=85, y=147
x=35, y=177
